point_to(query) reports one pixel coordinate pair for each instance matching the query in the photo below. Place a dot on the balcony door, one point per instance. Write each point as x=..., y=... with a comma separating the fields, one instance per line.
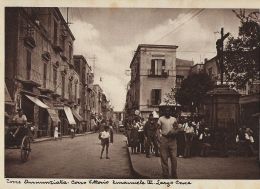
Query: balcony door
x=157, y=66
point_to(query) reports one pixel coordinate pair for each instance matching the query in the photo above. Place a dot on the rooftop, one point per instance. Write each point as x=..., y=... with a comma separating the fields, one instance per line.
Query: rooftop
x=152, y=46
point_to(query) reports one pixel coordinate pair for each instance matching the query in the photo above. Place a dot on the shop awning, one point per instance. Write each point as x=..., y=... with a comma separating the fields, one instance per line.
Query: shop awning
x=69, y=115
x=8, y=99
x=53, y=114
x=78, y=117
x=37, y=101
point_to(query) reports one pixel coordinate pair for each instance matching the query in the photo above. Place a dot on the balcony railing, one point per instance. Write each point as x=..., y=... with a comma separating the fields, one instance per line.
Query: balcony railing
x=162, y=73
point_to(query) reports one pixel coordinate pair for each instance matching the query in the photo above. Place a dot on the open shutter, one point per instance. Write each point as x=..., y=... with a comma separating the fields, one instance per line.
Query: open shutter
x=152, y=67
x=153, y=97
x=159, y=96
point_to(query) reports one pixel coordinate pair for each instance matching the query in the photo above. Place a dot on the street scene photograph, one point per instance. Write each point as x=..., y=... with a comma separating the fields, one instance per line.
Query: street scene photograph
x=131, y=93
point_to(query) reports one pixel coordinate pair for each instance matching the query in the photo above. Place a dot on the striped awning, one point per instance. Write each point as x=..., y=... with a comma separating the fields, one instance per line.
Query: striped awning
x=53, y=114
x=69, y=115
x=37, y=101
x=78, y=117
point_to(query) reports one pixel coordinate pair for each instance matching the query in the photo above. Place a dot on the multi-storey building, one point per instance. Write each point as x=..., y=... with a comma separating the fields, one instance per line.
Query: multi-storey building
x=98, y=99
x=153, y=74
x=86, y=78
x=39, y=69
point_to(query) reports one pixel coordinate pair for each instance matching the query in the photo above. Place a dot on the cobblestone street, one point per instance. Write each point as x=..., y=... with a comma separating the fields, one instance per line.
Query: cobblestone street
x=70, y=158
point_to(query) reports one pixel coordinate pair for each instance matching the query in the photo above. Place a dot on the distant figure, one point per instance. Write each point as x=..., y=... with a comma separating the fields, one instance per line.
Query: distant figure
x=150, y=129
x=189, y=134
x=72, y=132
x=168, y=146
x=104, y=137
x=134, y=137
x=56, y=132
x=205, y=138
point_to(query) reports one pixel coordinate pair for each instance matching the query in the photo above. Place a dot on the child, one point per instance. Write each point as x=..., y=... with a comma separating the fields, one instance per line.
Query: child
x=104, y=137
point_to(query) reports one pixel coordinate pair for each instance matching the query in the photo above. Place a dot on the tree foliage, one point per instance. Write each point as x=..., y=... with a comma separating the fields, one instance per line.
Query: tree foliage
x=241, y=56
x=193, y=89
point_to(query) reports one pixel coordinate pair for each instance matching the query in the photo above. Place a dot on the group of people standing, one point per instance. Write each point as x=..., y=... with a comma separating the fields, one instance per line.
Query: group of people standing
x=193, y=138
x=158, y=135
x=171, y=137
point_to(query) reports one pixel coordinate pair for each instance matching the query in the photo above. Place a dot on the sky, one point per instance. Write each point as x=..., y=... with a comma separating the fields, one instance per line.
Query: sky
x=111, y=35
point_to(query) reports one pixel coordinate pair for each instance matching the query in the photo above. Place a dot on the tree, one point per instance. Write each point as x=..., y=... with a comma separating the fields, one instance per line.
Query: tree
x=241, y=56
x=193, y=90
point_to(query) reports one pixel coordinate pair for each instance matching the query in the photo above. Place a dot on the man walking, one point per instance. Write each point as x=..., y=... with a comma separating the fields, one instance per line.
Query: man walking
x=150, y=129
x=168, y=146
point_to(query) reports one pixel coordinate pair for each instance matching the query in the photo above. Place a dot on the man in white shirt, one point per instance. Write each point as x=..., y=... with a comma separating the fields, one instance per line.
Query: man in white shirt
x=168, y=146
x=20, y=119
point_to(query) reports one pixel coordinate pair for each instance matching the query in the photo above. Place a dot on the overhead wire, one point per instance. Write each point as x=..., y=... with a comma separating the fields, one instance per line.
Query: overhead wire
x=195, y=14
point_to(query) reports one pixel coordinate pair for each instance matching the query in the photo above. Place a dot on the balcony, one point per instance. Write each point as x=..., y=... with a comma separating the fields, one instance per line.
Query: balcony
x=162, y=73
x=33, y=78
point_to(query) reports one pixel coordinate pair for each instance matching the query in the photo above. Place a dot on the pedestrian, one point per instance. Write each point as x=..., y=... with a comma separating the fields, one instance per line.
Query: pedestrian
x=180, y=141
x=104, y=137
x=168, y=146
x=188, y=135
x=205, y=138
x=72, y=132
x=150, y=129
x=111, y=131
x=56, y=132
x=141, y=135
x=134, y=137
x=249, y=142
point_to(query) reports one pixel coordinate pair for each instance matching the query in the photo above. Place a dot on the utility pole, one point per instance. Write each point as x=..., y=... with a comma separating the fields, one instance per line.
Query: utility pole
x=220, y=53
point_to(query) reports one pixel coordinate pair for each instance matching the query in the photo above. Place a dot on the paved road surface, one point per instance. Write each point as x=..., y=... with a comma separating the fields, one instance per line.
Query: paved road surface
x=70, y=158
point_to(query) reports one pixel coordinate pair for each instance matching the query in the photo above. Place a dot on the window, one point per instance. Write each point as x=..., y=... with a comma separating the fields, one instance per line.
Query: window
x=55, y=74
x=156, y=96
x=70, y=89
x=63, y=86
x=70, y=53
x=55, y=33
x=157, y=67
x=44, y=74
x=179, y=79
x=76, y=88
x=28, y=63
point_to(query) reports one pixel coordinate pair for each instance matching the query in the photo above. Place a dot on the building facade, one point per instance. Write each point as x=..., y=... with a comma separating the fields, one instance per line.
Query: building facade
x=153, y=74
x=87, y=78
x=39, y=68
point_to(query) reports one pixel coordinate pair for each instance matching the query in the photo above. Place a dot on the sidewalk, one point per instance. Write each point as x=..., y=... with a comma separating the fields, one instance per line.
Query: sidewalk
x=198, y=167
x=36, y=140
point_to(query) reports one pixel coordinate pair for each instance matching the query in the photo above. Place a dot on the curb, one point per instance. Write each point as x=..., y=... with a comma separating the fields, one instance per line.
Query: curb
x=66, y=136
x=136, y=173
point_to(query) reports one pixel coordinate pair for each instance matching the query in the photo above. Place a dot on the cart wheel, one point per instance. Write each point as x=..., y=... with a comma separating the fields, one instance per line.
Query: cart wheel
x=25, y=148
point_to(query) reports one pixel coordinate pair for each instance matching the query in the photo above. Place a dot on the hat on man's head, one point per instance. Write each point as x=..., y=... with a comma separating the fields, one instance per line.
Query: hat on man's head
x=155, y=115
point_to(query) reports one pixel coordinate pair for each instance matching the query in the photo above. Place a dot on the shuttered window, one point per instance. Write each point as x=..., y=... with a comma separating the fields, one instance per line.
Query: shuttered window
x=157, y=67
x=28, y=63
x=155, y=96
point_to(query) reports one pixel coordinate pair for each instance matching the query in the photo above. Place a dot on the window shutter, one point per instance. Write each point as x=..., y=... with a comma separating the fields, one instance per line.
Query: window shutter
x=163, y=63
x=159, y=96
x=153, y=97
x=152, y=67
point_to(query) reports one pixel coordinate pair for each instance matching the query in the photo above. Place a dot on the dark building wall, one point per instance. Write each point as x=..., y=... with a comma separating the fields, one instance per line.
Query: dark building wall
x=11, y=41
